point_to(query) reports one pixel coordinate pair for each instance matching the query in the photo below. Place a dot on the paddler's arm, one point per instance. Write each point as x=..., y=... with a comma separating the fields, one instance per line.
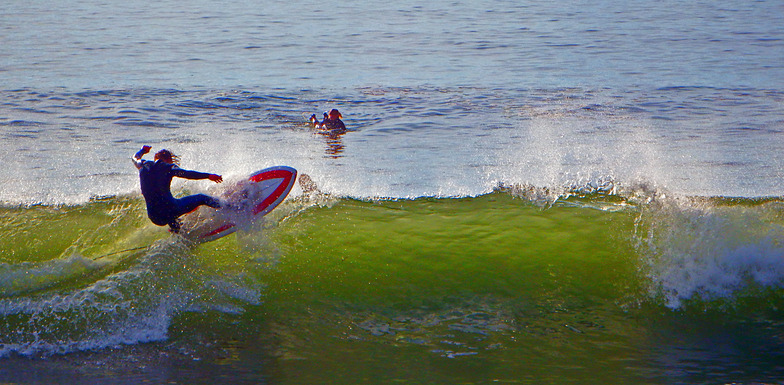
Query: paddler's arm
x=137, y=158
x=188, y=174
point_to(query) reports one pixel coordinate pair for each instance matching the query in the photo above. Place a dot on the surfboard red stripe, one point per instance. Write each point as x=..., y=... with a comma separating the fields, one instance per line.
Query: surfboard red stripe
x=270, y=199
x=218, y=230
x=272, y=174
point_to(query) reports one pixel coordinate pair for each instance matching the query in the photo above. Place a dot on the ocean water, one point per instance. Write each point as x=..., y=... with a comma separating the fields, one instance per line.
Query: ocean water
x=528, y=192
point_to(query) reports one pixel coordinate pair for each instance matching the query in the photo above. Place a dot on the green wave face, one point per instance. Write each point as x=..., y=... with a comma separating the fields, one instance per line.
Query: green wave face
x=500, y=286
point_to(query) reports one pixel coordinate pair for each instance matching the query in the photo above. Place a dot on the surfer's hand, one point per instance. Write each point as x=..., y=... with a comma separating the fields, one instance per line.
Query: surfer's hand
x=215, y=178
x=146, y=149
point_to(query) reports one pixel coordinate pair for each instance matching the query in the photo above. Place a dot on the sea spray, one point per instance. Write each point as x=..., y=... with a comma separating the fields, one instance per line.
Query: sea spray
x=703, y=249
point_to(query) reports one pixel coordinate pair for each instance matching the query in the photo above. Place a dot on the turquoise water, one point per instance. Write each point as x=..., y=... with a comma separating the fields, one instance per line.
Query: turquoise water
x=527, y=193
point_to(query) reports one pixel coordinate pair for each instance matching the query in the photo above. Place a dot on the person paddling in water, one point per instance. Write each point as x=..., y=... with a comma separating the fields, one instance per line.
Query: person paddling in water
x=331, y=121
x=156, y=176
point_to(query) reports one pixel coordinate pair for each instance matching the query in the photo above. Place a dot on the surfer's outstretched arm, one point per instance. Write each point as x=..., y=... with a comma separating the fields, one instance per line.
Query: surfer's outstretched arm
x=137, y=158
x=188, y=174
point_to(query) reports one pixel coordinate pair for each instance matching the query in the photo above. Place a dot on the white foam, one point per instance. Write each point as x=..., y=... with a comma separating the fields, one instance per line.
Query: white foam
x=701, y=251
x=132, y=306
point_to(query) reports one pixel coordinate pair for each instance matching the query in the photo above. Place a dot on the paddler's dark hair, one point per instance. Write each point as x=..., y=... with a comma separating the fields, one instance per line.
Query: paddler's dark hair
x=167, y=156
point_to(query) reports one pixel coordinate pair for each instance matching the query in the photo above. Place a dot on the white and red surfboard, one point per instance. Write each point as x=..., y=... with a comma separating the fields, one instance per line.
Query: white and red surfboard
x=248, y=200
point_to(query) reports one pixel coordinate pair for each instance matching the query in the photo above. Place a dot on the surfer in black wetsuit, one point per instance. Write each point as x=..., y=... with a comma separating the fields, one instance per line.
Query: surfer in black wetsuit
x=331, y=121
x=155, y=177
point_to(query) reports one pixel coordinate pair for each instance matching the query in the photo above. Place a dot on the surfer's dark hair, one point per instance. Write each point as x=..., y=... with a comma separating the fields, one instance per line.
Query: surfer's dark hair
x=167, y=156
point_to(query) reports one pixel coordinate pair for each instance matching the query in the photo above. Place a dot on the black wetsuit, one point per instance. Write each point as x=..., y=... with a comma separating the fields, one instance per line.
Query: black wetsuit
x=333, y=124
x=162, y=207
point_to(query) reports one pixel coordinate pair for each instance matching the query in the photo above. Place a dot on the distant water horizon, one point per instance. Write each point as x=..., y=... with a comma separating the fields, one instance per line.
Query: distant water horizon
x=315, y=45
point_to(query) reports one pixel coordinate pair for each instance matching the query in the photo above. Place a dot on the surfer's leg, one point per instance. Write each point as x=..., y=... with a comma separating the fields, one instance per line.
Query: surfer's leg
x=162, y=215
x=192, y=202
